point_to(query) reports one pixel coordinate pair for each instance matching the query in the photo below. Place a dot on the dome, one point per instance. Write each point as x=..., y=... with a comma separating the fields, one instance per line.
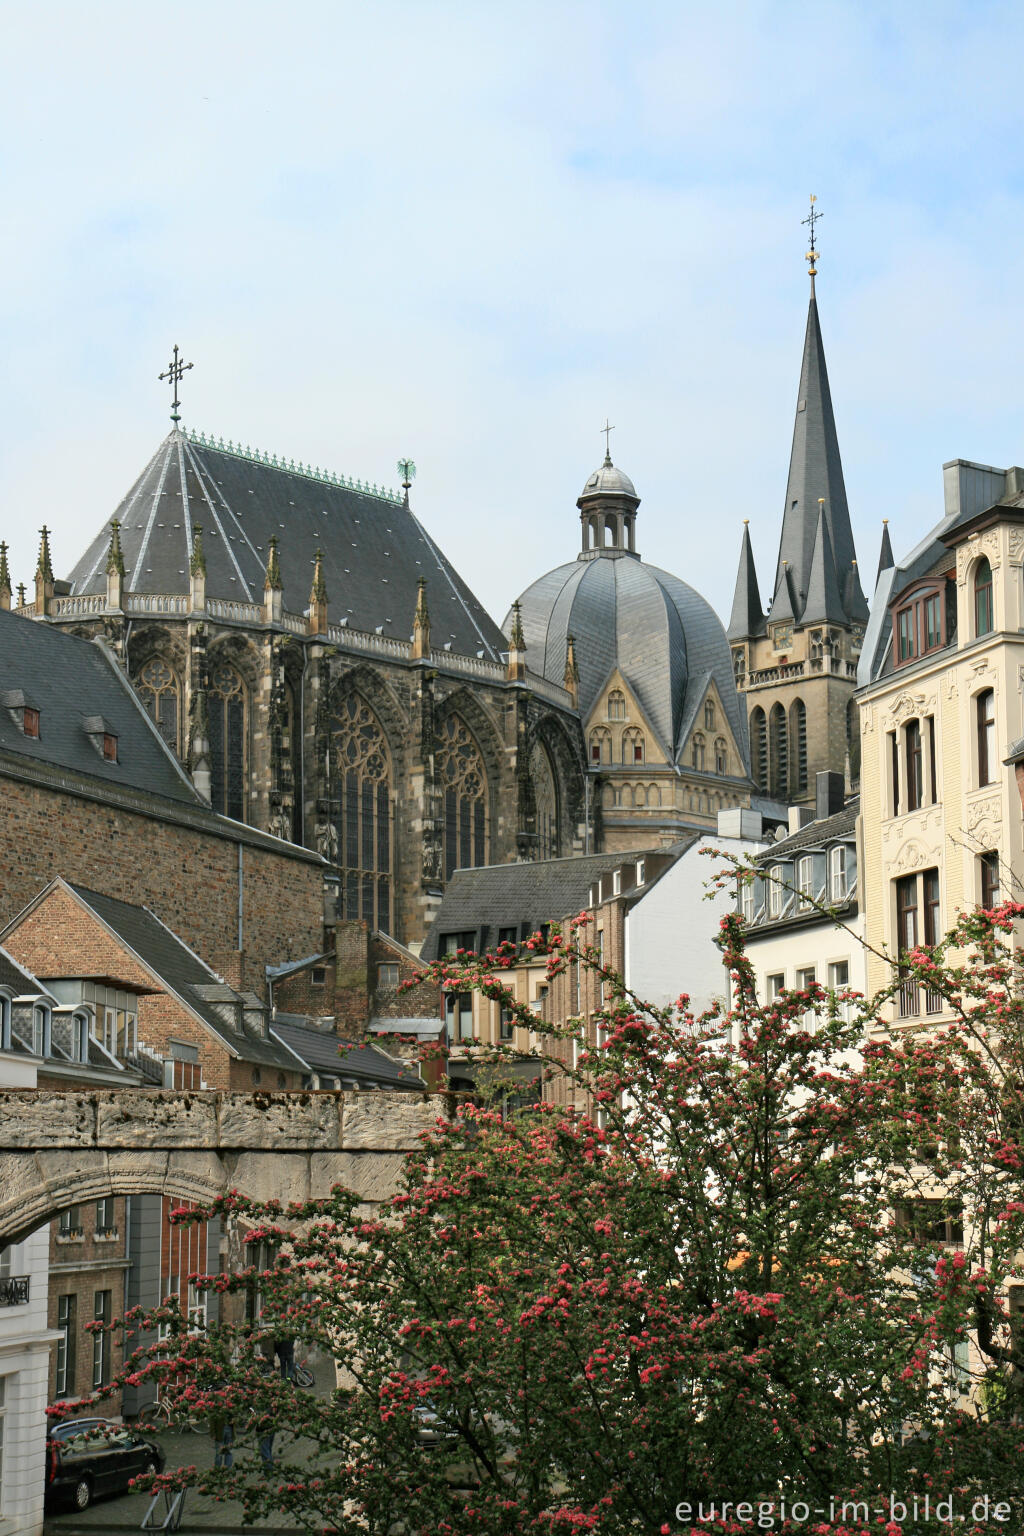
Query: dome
x=664, y=638
x=609, y=481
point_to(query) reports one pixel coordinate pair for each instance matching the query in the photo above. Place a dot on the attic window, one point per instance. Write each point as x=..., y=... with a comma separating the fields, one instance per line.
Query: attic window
x=24, y=714
x=319, y=976
x=109, y=747
x=102, y=735
x=30, y=721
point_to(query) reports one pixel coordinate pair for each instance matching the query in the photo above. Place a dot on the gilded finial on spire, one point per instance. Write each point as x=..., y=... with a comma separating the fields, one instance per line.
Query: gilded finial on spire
x=607, y=429
x=197, y=565
x=44, y=567
x=273, y=582
x=115, y=558
x=318, y=592
x=813, y=253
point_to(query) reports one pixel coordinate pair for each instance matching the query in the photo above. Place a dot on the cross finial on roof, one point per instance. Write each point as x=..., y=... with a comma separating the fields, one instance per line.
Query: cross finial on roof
x=812, y=255
x=607, y=429
x=173, y=374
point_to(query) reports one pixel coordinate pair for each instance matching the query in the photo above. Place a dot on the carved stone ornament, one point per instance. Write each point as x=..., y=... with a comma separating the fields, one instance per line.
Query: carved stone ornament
x=907, y=706
x=986, y=810
x=1016, y=543
x=913, y=856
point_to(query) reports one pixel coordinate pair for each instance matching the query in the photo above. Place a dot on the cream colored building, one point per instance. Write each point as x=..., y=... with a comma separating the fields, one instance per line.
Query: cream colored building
x=941, y=697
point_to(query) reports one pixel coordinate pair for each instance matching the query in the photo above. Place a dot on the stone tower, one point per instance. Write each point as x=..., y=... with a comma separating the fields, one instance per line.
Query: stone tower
x=797, y=663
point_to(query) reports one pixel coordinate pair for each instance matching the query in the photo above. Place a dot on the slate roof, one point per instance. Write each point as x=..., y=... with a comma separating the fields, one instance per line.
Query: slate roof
x=510, y=895
x=661, y=634
x=68, y=680
x=182, y=971
x=374, y=548
x=831, y=829
x=321, y=1052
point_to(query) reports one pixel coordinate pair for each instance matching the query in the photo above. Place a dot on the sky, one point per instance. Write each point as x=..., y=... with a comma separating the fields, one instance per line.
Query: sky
x=472, y=232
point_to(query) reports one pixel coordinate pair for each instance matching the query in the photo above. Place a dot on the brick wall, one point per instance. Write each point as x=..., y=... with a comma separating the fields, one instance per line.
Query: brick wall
x=80, y=1267
x=187, y=876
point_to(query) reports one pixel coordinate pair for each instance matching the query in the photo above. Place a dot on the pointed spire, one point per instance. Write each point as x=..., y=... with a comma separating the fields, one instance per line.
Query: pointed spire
x=885, y=559
x=273, y=582
x=421, y=623
x=824, y=603
x=747, y=619
x=44, y=574
x=815, y=471
x=516, y=669
x=854, y=601
x=115, y=559
x=571, y=677
x=197, y=564
x=318, y=597
x=783, y=606
x=21, y=594
x=5, y=579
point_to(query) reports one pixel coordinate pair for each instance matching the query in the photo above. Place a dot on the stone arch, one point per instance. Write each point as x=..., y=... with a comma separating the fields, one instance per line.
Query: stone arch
x=367, y=681
x=653, y=796
x=778, y=747
x=798, y=746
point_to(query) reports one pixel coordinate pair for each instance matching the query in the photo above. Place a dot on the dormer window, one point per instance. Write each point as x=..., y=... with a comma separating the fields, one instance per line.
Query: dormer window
x=22, y=711
x=919, y=624
x=109, y=747
x=102, y=735
x=30, y=721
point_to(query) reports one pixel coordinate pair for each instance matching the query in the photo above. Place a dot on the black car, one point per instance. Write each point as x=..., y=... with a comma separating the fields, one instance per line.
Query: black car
x=90, y=1457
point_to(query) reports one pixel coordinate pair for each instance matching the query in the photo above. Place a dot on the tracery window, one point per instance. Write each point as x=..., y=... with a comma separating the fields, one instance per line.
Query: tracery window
x=633, y=745
x=545, y=800
x=463, y=784
x=616, y=705
x=227, y=718
x=161, y=694
x=364, y=778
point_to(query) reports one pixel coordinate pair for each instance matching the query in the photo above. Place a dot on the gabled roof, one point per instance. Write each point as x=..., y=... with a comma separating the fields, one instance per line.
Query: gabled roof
x=69, y=680
x=180, y=971
x=374, y=548
x=322, y=1052
x=483, y=901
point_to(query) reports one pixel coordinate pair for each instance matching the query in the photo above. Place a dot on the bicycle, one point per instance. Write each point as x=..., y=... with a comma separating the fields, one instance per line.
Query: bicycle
x=160, y=1415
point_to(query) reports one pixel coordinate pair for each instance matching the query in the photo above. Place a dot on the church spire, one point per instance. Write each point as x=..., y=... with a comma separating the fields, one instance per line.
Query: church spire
x=815, y=470
x=747, y=613
x=823, y=604
x=885, y=559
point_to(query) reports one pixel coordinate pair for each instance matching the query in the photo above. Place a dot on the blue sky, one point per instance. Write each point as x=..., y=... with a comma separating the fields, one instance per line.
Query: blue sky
x=466, y=232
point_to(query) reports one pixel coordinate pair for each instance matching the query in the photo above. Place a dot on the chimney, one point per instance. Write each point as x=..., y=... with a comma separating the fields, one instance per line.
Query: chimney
x=829, y=794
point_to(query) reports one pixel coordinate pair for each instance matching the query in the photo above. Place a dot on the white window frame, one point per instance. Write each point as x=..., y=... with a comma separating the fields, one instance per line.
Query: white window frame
x=42, y=1029
x=776, y=890
x=6, y=1002
x=838, y=886
x=748, y=901
x=775, y=985
x=835, y=985
x=805, y=881
x=3, y=1420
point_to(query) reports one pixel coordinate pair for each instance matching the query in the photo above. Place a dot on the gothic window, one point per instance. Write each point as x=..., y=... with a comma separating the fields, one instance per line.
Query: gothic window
x=545, y=799
x=721, y=756
x=984, y=622
x=161, y=694
x=632, y=745
x=697, y=752
x=616, y=705
x=759, y=747
x=600, y=745
x=463, y=785
x=779, y=748
x=363, y=768
x=798, y=731
x=709, y=714
x=227, y=722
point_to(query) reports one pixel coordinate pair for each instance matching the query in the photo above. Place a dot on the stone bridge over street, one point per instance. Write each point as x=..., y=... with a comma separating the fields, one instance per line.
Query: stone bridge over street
x=62, y=1149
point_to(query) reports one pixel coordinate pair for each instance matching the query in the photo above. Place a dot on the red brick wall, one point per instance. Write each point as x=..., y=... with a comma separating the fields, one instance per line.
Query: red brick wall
x=188, y=877
x=73, y=1272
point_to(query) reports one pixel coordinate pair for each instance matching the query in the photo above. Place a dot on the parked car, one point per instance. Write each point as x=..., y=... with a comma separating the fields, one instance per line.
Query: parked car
x=87, y=1458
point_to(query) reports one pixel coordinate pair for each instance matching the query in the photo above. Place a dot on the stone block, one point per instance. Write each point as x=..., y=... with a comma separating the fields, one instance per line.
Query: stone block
x=132, y=1117
x=283, y=1177
x=373, y=1176
x=30, y=1119
x=388, y=1122
x=266, y=1121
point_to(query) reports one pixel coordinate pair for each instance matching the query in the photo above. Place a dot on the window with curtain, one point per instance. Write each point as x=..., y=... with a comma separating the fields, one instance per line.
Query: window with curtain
x=363, y=789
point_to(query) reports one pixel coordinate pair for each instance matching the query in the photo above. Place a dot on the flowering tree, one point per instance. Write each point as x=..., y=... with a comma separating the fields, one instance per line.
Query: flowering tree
x=747, y=1276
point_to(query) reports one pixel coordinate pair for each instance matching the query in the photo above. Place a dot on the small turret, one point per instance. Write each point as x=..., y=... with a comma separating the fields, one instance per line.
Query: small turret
x=115, y=569
x=197, y=572
x=571, y=679
x=823, y=603
x=44, y=575
x=318, y=597
x=273, y=588
x=421, y=623
x=516, y=669
x=747, y=621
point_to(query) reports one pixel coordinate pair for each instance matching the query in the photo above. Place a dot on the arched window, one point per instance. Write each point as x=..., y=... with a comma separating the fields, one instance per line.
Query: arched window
x=709, y=714
x=984, y=621
x=545, y=801
x=616, y=705
x=364, y=780
x=759, y=748
x=779, y=751
x=632, y=745
x=625, y=797
x=653, y=795
x=697, y=752
x=161, y=694
x=721, y=756
x=600, y=745
x=227, y=717
x=463, y=784
x=798, y=735
x=639, y=795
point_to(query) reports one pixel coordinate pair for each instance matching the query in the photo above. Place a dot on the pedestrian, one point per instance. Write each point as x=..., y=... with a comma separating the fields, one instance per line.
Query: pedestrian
x=222, y=1432
x=284, y=1350
x=267, y=1449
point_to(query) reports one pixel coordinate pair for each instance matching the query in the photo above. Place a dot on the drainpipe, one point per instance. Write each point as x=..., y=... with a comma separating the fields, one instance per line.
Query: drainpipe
x=239, y=946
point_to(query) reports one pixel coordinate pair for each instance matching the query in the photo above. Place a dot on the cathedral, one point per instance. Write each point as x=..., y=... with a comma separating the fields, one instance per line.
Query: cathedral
x=324, y=674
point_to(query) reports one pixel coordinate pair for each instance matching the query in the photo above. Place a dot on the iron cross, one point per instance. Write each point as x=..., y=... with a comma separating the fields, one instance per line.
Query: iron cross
x=607, y=430
x=812, y=219
x=175, y=370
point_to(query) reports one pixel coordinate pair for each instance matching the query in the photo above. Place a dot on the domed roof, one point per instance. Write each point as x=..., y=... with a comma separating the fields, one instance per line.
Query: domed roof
x=665, y=639
x=609, y=481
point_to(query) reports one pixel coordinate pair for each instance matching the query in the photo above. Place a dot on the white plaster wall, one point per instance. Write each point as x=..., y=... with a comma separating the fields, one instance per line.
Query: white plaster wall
x=819, y=944
x=670, y=932
x=25, y=1345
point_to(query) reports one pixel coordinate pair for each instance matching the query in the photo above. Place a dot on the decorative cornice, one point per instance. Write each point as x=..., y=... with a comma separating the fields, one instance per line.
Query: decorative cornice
x=289, y=466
